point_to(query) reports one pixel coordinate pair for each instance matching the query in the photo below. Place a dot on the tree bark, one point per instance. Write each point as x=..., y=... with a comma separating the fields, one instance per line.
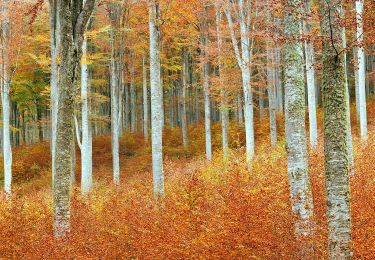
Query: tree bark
x=295, y=132
x=145, y=100
x=156, y=99
x=73, y=17
x=335, y=132
x=310, y=76
x=361, y=70
x=5, y=100
x=86, y=153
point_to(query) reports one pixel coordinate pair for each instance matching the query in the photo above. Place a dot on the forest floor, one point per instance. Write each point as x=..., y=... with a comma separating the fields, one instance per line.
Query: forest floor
x=224, y=209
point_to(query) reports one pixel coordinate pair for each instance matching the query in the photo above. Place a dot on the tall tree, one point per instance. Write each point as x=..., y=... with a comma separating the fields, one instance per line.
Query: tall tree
x=310, y=76
x=336, y=153
x=206, y=82
x=156, y=98
x=73, y=17
x=224, y=106
x=54, y=9
x=183, y=98
x=295, y=132
x=145, y=99
x=86, y=146
x=5, y=98
x=242, y=9
x=361, y=60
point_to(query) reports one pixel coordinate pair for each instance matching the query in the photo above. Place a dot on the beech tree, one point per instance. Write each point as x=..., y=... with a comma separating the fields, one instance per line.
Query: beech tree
x=242, y=9
x=5, y=99
x=295, y=132
x=156, y=98
x=73, y=19
x=336, y=152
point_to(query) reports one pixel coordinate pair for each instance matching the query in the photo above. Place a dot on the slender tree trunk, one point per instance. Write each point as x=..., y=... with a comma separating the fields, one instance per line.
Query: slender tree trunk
x=272, y=96
x=335, y=132
x=133, y=109
x=206, y=87
x=54, y=9
x=361, y=70
x=224, y=107
x=5, y=100
x=156, y=99
x=295, y=132
x=114, y=108
x=86, y=156
x=145, y=100
x=183, y=101
x=310, y=76
x=349, y=137
x=243, y=60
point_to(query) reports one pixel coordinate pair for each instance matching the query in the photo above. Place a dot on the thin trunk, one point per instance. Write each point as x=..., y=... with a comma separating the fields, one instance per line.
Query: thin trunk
x=183, y=101
x=5, y=91
x=224, y=106
x=206, y=89
x=310, y=76
x=86, y=156
x=361, y=70
x=145, y=100
x=156, y=99
x=114, y=110
x=54, y=9
x=271, y=96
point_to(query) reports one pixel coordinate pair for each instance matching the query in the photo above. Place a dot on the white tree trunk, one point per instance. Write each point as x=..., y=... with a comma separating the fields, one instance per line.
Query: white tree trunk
x=295, y=132
x=133, y=108
x=349, y=137
x=243, y=60
x=7, y=148
x=310, y=77
x=183, y=101
x=224, y=107
x=272, y=96
x=145, y=100
x=156, y=99
x=206, y=87
x=114, y=114
x=86, y=154
x=55, y=43
x=361, y=70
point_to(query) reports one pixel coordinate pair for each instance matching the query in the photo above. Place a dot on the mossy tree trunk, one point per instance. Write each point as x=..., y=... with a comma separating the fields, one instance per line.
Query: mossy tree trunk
x=336, y=152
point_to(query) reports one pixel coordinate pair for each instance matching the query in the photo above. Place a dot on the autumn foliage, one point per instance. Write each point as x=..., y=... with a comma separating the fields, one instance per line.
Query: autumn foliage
x=218, y=210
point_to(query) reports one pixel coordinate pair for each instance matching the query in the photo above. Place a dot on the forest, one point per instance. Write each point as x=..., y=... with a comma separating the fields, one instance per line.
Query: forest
x=187, y=129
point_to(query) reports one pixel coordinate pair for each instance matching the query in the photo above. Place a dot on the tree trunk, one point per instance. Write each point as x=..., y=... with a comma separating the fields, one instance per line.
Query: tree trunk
x=54, y=9
x=5, y=101
x=156, y=99
x=183, y=101
x=335, y=132
x=114, y=105
x=133, y=109
x=224, y=106
x=361, y=70
x=73, y=22
x=310, y=76
x=243, y=60
x=86, y=154
x=206, y=86
x=295, y=132
x=145, y=100
x=272, y=96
